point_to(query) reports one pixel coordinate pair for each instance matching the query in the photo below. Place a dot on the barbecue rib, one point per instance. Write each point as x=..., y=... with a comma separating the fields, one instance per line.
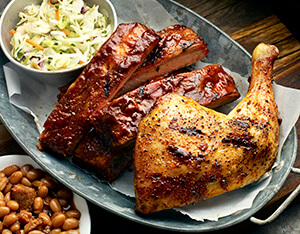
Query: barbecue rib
x=179, y=46
x=117, y=59
x=186, y=153
x=210, y=86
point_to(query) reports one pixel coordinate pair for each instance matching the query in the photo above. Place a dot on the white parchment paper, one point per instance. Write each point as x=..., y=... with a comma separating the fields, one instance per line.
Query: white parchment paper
x=39, y=99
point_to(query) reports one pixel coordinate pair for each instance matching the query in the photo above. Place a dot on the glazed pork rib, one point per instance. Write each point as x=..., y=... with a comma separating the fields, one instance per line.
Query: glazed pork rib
x=116, y=61
x=210, y=86
x=108, y=151
x=185, y=153
x=179, y=46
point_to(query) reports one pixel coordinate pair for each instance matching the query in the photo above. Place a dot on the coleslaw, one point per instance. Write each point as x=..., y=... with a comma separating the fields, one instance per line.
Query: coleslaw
x=59, y=34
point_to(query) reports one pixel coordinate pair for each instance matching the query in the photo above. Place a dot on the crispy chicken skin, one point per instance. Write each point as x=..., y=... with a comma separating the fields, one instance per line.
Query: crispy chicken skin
x=117, y=59
x=210, y=86
x=179, y=46
x=186, y=153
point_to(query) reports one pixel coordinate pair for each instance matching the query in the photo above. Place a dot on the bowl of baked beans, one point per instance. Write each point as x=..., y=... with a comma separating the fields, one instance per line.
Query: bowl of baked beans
x=33, y=202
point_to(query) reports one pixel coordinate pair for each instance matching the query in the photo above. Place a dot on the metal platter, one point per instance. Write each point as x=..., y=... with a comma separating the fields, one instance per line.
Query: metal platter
x=225, y=52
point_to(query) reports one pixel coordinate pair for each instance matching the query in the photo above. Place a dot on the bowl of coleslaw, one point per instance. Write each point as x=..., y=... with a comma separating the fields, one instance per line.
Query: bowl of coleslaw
x=53, y=40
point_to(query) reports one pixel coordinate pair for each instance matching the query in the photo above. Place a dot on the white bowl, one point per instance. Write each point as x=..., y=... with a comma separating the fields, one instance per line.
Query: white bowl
x=80, y=203
x=9, y=21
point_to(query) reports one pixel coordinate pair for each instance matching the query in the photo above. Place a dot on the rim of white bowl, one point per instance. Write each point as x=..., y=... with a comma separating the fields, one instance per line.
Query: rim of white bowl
x=9, y=56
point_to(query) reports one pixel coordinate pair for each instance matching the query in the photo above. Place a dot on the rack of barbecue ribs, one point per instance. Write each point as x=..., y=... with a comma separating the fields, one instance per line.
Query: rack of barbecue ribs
x=110, y=150
x=114, y=63
x=185, y=153
x=117, y=61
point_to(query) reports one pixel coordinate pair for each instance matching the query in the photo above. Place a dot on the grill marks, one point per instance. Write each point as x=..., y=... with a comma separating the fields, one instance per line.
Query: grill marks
x=191, y=131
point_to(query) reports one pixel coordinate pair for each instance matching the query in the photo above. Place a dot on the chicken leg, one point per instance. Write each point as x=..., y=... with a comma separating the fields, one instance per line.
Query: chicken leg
x=186, y=153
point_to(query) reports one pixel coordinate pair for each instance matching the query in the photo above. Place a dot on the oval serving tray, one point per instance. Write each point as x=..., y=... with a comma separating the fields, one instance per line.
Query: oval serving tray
x=225, y=52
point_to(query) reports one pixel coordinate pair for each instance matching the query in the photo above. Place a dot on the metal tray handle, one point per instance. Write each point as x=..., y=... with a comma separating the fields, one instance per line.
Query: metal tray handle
x=282, y=207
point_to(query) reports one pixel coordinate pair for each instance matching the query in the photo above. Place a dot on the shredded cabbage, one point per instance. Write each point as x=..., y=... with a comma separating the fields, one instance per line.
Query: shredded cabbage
x=68, y=31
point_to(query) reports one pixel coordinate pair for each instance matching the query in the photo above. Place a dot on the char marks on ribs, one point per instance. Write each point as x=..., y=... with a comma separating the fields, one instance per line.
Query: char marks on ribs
x=114, y=63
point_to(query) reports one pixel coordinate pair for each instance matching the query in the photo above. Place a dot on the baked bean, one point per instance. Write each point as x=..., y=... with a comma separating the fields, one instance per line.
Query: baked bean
x=43, y=191
x=10, y=169
x=6, y=231
x=46, y=219
x=15, y=227
x=7, y=188
x=70, y=223
x=73, y=214
x=38, y=203
x=16, y=177
x=4, y=210
x=1, y=227
x=63, y=202
x=58, y=220
x=1, y=196
x=12, y=205
x=48, y=182
x=72, y=232
x=2, y=203
x=26, y=182
x=56, y=231
x=34, y=174
x=55, y=205
x=36, y=232
x=7, y=197
x=36, y=183
x=25, y=168
x=2, y=174
x=10, y=219
x=65, y=193
x=3, y=183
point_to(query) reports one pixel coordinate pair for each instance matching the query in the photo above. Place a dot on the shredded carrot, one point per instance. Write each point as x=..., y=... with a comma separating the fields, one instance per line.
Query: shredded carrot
x=63, y=67
x=66, y=32
x=36, y=66
x=57, y=14
x=35, y=44
x=81, y=62
x=12, y=32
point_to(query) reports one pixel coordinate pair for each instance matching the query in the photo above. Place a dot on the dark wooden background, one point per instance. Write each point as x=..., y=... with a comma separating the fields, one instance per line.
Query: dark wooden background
x=249, y=23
